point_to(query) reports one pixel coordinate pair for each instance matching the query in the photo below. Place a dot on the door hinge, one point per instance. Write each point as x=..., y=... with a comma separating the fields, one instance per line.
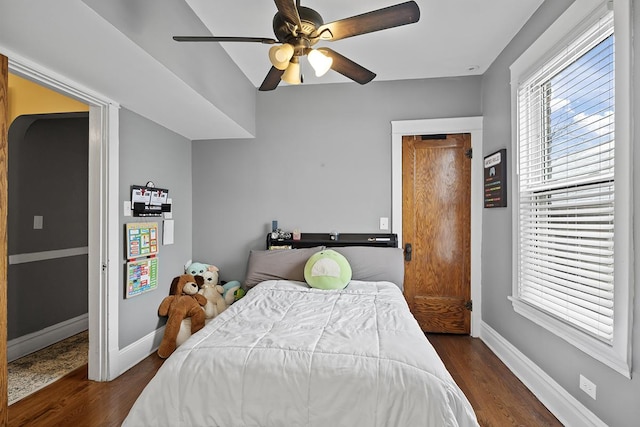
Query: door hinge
x=469, y=153
x=469, y=305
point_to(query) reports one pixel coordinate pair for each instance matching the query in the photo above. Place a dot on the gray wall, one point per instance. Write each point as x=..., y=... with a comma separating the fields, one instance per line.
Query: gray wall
x=234, y=94
x=150, y=152
x=48, y=176
x=617, y=396
x=321, y=161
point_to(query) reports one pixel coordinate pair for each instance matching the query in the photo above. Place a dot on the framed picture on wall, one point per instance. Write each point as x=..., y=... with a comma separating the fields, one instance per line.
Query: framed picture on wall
x=495, y=179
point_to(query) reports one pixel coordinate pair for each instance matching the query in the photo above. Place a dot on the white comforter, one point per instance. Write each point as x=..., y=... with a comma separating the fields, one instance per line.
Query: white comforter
x=287, y=355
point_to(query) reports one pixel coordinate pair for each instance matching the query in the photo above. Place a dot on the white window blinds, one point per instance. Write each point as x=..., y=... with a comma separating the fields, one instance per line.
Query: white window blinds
x=566, y=147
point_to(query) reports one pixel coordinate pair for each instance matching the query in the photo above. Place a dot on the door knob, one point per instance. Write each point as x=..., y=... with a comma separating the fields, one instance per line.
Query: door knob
x=407, y=252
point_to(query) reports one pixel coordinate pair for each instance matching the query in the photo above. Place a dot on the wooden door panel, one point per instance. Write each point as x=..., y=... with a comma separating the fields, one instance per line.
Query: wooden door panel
x=439, y=225
x=442, y=314
x=436, y=222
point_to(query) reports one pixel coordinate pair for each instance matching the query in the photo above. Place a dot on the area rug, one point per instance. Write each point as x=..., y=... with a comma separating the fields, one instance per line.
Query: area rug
x=37, y=370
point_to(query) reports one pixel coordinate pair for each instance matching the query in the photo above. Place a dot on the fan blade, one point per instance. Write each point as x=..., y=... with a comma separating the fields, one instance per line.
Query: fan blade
x=347, y=67
x=272, y=80
x=223, y=39
x=381, y=19
x=289, y=11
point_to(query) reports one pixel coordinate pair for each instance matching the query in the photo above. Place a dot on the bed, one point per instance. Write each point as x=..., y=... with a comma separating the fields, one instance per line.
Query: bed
x=290, y=355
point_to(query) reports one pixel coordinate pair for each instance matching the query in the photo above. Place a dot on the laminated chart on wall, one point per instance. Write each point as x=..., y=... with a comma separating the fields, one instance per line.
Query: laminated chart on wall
x=142, y=239
x=142, y=276
x=142, y=265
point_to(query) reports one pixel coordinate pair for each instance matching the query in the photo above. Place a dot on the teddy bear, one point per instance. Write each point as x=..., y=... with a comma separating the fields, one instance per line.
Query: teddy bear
x=214, y=306
x=213, y=292
x=232, y=290
x=198, y=268
x=183, y=301
x=210, y=289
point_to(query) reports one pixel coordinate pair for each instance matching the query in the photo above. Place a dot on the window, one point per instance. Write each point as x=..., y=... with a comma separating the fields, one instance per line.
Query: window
x=566, y=181
x=567, y=193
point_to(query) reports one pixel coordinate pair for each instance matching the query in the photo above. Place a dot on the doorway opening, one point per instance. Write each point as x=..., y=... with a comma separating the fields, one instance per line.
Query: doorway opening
x=47, y=284
x=102, y=214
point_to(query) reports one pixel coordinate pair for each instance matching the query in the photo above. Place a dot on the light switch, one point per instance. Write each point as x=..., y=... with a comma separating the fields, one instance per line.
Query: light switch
x=37, y=222
x=127, y=208
x=384, y=223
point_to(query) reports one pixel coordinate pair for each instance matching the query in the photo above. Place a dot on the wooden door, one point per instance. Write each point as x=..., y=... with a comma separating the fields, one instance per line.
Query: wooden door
x=436, y=223
x=4, y=131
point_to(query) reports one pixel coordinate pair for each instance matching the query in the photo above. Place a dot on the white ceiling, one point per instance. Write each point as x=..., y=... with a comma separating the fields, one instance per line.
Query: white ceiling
x=452, y=37
x=122, y=50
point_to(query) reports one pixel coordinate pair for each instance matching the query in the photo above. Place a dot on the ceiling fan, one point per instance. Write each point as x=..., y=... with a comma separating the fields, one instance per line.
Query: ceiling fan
x=298, y=29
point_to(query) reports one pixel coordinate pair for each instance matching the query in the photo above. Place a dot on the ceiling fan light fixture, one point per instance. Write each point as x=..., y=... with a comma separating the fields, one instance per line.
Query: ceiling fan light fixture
x=320, y=62
x=292, y=74
x=299, y=28
x=281, y=55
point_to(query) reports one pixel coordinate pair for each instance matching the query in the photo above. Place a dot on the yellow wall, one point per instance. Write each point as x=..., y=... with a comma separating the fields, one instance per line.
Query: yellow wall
x=26, y=97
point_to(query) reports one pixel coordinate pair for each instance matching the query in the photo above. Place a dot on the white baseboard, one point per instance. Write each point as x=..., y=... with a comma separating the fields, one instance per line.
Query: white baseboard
x=26, y=344
x=563, y=405
x=131, y=355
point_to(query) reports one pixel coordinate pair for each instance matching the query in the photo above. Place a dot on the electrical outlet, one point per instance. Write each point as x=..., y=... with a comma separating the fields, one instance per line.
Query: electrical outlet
x=587, y=386
x=37, y=222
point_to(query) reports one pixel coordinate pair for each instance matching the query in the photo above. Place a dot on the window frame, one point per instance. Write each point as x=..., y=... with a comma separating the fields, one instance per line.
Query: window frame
x=577, y=19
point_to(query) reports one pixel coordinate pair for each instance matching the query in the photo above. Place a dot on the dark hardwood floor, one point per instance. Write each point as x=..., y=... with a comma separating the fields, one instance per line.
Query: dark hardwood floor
x=498, y=397
x=75, y=401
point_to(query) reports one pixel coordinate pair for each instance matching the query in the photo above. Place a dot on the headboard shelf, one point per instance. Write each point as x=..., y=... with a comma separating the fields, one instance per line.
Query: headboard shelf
x=309, y=240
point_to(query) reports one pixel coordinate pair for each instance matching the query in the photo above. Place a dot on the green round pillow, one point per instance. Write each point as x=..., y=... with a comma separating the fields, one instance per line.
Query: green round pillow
x=327, y=269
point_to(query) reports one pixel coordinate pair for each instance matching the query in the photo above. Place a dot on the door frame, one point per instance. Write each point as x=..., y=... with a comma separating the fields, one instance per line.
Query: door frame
x=102, y=211
x=472, y=125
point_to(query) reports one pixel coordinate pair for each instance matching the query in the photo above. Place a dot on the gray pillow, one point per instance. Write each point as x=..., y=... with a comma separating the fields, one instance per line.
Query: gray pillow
x=277, y=264
x=375, y=264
